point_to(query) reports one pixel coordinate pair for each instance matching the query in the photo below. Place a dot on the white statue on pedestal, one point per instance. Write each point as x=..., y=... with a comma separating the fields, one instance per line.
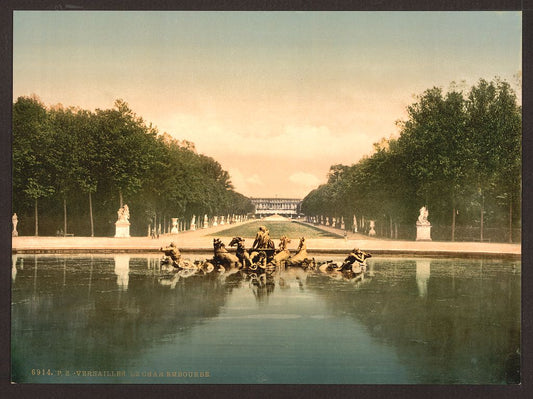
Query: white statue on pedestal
x=423, y=217
x=122, y=225
x=15, y=221
x=423, y=227
x=193, y=222
x=174, y=229
x=123, y=214
x=206, y=221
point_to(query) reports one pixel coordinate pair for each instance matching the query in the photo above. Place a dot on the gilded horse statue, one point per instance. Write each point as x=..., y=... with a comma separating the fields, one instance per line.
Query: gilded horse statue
x=242, y=253
x=282, y=253
x=222, y=256
x=252, y=259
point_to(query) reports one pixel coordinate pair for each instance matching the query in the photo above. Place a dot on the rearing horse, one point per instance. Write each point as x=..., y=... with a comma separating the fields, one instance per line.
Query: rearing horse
x=282, y=253
x=222, y=255
x=242, y=253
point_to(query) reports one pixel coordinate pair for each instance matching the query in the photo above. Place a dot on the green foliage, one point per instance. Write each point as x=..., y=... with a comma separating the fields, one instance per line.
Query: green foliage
x=66, y=153
x=32, y=150
x=457, y=153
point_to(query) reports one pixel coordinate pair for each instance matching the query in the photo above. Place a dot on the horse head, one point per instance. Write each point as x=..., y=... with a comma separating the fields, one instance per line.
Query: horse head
x=236, y=241
x=217, y=244
x=283, y=241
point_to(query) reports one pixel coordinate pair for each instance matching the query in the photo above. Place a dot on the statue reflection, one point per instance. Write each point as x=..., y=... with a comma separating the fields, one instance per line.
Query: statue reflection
x=422, y=276
x=293, y=277
x=262, y=285
x=371, y=272
x=122, y=270
x=14, y=258
x=176, y=277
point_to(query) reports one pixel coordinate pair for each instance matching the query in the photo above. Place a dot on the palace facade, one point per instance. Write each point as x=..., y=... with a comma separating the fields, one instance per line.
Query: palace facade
x=289, y=207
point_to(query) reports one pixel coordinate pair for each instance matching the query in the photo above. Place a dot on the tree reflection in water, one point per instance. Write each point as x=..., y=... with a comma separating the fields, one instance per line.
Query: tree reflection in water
x=448, y=321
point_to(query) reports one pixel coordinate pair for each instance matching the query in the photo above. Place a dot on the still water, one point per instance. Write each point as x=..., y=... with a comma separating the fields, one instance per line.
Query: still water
x=120, y=319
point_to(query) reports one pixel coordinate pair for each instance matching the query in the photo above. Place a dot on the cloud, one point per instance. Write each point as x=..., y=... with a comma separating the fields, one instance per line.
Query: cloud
x=296, y=141
x=244, y=183
x=254, y=179
x=304, y=179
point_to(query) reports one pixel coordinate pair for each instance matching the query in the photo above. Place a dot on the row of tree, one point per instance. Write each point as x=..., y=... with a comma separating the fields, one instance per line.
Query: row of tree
x=77, y=167
x=458, y=153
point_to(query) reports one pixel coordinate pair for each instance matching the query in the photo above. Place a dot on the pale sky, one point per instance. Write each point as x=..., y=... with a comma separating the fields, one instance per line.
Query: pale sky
x=275, y=97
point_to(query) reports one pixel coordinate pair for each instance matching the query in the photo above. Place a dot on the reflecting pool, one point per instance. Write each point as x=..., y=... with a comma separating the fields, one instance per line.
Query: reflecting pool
x=121, y=319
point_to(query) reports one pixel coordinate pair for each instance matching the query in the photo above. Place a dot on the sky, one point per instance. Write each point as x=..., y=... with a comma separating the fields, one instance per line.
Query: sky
x=275, y=97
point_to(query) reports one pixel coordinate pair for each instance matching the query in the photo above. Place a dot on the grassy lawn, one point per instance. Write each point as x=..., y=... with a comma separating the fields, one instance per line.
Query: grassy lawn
x=292, y=230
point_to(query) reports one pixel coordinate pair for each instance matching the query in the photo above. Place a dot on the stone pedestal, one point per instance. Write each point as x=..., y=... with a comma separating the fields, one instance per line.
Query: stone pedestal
x=423, y=232
x=122, y=229
x=174, y=229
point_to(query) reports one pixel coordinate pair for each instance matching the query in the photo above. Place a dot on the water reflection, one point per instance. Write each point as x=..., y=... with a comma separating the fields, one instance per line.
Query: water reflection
x=293, y=277
x=262, y=286
x=122, y=270
x=423, y=269
x=370, y=328
x=459, y=334
x=14, y=259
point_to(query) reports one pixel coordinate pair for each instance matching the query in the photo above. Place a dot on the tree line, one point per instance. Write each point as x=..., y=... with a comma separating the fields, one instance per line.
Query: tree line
x=458, y=153
x=73, y=168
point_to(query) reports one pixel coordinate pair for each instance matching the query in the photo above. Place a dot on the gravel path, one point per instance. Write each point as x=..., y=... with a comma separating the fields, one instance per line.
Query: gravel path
x=200, y=240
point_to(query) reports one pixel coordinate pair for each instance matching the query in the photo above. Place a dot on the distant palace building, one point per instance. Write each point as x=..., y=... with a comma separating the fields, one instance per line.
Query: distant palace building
x=282, y=206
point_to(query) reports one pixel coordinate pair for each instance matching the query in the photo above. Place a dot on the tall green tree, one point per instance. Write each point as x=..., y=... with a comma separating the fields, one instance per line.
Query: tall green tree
x=494, y=128
x=457, y=151
x=125, y=143
x=66, y=129
x=32, y=145
x=435, y=142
